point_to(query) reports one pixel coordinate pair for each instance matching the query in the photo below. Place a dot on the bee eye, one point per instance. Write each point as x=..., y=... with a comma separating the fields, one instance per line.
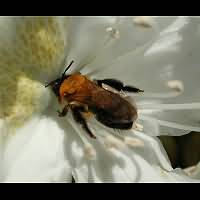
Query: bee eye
x=57, y=83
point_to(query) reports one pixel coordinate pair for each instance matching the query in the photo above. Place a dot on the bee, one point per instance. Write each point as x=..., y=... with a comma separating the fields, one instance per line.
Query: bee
x=84, y=96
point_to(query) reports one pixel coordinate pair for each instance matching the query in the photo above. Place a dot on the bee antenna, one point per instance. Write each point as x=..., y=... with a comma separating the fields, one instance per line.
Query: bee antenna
x=49, y=84
x=63, y=74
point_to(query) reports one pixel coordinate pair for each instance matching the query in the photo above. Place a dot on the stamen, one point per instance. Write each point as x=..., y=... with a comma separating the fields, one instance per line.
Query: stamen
x=112, y=142
x=177, y=85
x=183, y=106
x=178, y=126
x=114, y=33
x=90, y=152
x=104, y=133
x=120, y=141
x=171, y=124
x=191, y=170
x=138, y=51
x=143, y=21
x=159, y=95
x=162, y=172
x=134, y=142
x=137, y=127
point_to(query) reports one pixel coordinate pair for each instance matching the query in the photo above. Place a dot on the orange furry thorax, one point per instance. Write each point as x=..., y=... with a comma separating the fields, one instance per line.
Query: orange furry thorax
x=75, y=88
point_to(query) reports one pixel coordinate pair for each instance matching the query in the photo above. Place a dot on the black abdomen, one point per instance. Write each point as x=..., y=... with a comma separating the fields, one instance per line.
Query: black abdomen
x=114, y=111
x=108, y=120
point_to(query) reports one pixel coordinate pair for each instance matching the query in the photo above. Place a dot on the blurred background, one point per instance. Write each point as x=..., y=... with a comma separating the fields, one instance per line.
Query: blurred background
x=183, y=151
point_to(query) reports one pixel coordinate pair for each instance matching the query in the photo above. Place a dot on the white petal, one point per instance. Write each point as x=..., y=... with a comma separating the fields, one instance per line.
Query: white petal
x=73, y=146
x=169, y=38
x=178, y=60
x=194, y=171
x=93, y=41
x=106, y=167
x=109, y=166
x=122, y=163
x=35, y=153
x=87, y=35
x=129, y=166
x=133, y=67
x=184, y=66
x=153, y=151
x=151, y=173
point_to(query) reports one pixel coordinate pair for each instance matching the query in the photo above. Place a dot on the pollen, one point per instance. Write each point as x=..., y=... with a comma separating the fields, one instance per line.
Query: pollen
x=88, y=115
x=41, y=43
x=19, y=105
x=37, y=46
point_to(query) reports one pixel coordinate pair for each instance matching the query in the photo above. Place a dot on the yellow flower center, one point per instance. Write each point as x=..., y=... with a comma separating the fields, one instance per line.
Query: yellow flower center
x=36, y=49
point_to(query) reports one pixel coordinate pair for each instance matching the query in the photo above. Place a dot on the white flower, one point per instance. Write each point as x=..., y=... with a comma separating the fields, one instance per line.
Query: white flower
x=193, y=171
x=154, y=54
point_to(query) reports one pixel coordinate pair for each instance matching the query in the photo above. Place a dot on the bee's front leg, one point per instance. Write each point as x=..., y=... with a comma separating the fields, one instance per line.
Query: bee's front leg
x=78, y=117
x=64, y=111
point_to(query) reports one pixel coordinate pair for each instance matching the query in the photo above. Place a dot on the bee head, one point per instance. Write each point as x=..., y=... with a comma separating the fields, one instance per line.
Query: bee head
x=55, y=84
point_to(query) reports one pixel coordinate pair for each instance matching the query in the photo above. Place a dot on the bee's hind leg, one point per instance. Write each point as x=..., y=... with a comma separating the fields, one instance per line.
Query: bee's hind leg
x=118, y=85
x=78, y=117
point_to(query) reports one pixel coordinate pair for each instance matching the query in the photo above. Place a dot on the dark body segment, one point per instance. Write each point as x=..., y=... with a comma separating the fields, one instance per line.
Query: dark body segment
x=109, y=108
x=84, y=96
x=112, y=110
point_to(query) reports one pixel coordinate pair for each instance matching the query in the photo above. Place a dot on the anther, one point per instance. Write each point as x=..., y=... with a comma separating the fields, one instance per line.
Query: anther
x=89, y=152
x=177, y=85
x=143, y=21
x=138, y=127
x=113, y=142
x=191, y=170
x=134, y=142
x=114, y=33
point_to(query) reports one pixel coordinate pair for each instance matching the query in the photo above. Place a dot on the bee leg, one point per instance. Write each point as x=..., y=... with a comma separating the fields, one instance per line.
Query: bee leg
x=78, y=117
x=64, y=111
x=118, y=85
